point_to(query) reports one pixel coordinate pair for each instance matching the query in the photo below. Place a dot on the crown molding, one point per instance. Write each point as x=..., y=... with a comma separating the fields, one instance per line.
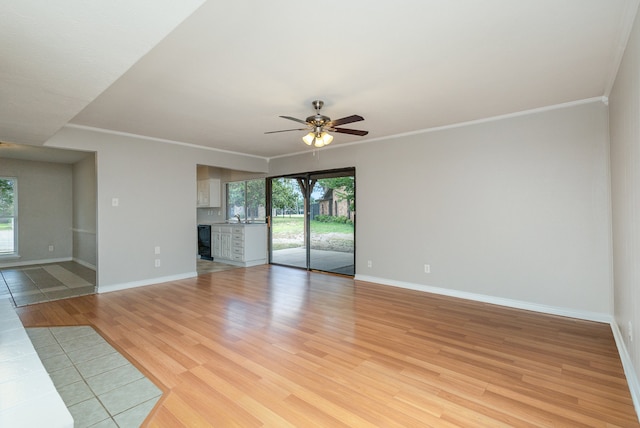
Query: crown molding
x=159, y=140
x=602, y=99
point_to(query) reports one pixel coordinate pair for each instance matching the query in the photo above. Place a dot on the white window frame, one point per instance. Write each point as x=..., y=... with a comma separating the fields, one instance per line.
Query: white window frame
x=245, y=211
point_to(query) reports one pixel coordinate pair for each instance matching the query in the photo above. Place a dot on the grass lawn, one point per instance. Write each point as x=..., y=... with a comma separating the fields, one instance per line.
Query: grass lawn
x=295, y=224
x=288, y=232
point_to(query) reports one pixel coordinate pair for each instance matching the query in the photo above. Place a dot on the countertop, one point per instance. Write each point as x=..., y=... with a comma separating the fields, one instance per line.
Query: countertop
x=232, y=224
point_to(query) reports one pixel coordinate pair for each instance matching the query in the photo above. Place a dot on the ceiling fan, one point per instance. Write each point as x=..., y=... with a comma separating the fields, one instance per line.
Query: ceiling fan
x=318, y=125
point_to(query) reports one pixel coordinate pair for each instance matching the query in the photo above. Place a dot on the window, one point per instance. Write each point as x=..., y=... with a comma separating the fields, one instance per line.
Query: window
x=8, y=216
x=247, y=200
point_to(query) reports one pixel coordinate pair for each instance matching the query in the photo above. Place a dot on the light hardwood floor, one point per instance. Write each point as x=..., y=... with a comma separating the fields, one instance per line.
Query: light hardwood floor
x=274, y=346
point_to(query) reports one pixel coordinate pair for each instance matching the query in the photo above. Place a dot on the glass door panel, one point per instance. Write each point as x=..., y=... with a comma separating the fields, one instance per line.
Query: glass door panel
x=331, y=224
x=288, y=228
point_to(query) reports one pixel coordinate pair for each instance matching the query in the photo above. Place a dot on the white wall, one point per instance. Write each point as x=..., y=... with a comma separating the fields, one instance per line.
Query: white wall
x=84, y=211
x=516, y=209
x=44, y=209
x=155, y=184
x=625, y=182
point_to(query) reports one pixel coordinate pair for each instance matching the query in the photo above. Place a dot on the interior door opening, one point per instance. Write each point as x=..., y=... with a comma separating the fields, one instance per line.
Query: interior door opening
x=312, y=221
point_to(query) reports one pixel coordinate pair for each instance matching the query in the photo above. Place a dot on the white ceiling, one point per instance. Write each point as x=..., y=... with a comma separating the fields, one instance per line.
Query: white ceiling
x=222, y=77
x=55, y=58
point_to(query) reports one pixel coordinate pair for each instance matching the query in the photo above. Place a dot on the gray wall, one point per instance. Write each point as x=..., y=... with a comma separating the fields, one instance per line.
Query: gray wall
x=84, y=211
x=155, y=185
x=44, y=209
x=625, y=183
x=516, y=209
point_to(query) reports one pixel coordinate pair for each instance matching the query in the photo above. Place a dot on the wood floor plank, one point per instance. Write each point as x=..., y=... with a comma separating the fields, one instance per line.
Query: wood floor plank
x=273, y=346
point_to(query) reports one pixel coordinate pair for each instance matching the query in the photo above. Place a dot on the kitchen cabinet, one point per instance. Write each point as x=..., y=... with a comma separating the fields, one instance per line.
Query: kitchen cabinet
x=221, y=242
x=240, y=244
x=209, y=193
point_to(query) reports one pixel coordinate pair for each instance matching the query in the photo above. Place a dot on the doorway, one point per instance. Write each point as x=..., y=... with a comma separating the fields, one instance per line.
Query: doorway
x=312, y=220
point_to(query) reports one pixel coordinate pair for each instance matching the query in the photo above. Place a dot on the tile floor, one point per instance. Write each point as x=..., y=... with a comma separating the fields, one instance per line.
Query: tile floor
x=26, y=285
x=208, y=266
x=99, y=386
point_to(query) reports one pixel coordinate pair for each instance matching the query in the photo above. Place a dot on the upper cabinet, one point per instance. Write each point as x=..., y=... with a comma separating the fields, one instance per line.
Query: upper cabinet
x=209, y=193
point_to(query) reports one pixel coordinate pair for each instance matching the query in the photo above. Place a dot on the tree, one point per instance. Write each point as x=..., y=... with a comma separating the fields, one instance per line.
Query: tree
x=235, y=197
x=346, y=187
x=284, y=194
x=245, y=198
x=255, y=196
x=6, y=198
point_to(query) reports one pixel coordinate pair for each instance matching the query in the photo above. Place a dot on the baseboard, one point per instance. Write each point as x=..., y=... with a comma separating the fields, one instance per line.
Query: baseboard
x=517, y=304
x=85, y=264
x=125, y=286
x=627, y=365
x=35, y=262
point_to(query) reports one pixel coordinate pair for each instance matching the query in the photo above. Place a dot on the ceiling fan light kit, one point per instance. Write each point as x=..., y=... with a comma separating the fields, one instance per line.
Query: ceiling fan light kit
x=317, y=139
x=320, y=124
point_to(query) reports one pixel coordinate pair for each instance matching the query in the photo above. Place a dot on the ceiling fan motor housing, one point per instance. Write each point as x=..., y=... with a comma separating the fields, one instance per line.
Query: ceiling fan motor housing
x=318, y=120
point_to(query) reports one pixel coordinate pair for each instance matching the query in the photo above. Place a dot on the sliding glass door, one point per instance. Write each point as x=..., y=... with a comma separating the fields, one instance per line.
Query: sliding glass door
x=313, y=221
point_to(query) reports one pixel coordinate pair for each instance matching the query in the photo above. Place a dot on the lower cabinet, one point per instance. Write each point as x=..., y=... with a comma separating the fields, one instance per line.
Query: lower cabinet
x=240, y=244
x=221, y=245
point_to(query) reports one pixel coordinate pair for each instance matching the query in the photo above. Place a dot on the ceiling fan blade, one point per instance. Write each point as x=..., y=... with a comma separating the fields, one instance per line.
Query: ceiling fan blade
x=345, y=120
x=286, y=130
x=351, y=131
x=294, y=119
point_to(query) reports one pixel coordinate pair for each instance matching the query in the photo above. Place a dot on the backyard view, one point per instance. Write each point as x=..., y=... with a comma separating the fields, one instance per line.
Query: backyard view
x=330, y=244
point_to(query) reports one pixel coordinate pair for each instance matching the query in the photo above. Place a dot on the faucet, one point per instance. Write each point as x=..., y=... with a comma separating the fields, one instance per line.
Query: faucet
x=238, y=217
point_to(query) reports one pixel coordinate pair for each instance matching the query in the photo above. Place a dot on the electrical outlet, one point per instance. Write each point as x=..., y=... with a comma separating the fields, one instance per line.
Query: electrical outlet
x=156, y=250
x=369, y=263
x=157, y=263
x=50, y=247
x=427, y=268
x=115, y=202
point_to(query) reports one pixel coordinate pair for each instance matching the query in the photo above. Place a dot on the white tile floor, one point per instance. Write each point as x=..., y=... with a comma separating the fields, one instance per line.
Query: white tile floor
x=100, y=387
